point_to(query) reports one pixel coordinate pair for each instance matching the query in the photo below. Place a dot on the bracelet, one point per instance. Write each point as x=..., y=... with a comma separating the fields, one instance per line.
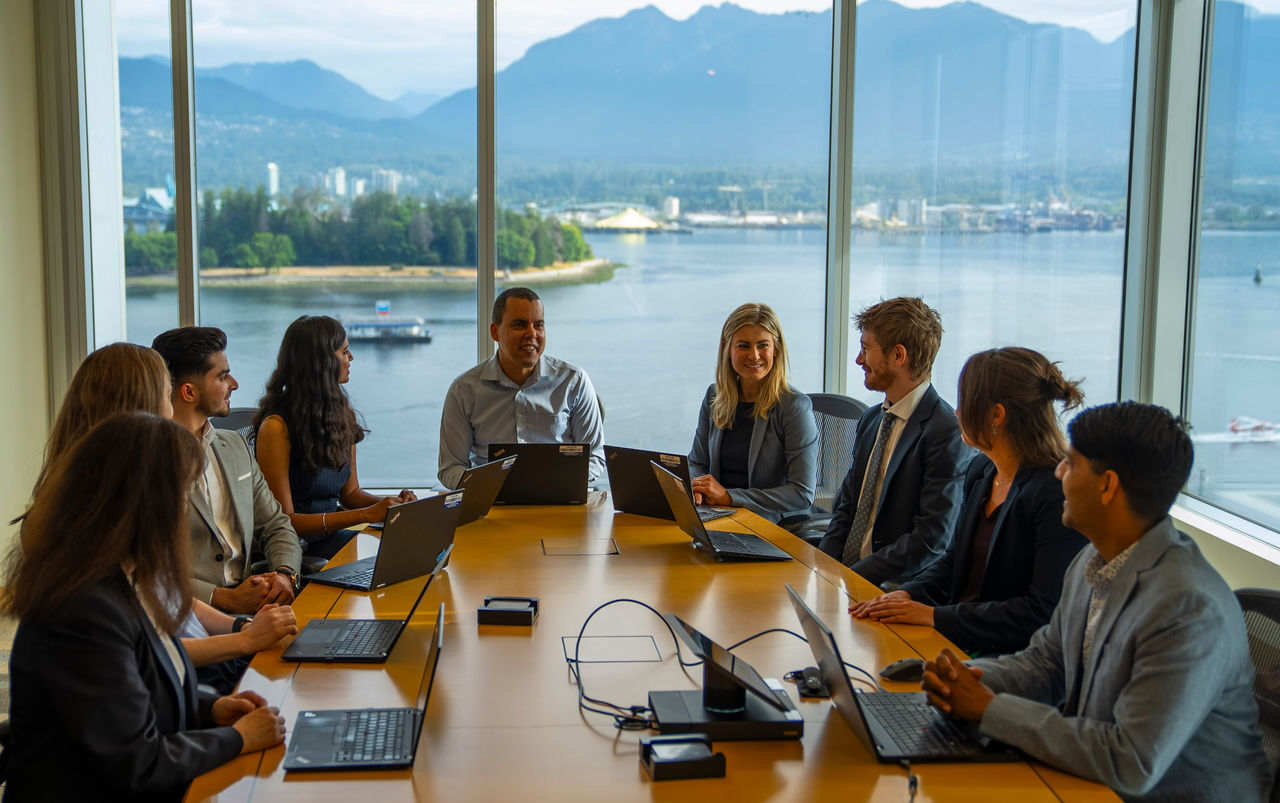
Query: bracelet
x=323, y=527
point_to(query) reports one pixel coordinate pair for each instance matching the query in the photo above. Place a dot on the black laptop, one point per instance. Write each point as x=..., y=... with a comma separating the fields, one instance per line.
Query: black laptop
x=545, y=474
x=365, y=641
x=482, y=485
x=895, y=726
x=413, y=534
x=724, y=545
x=634, y=490
x=365, y=738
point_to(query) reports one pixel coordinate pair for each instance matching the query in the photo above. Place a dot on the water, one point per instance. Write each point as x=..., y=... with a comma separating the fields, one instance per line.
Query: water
x=648, y=336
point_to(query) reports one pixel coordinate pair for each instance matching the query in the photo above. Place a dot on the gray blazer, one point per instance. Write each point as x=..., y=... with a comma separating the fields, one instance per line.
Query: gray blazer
x=782, y=464
x=261, y=519
x=1163, y=709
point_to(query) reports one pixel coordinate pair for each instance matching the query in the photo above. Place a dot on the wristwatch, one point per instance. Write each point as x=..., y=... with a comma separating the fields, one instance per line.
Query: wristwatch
x=240, y=621
x=294, y=578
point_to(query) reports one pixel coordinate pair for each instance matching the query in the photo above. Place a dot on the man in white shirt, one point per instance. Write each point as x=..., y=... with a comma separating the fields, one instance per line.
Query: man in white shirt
x=518, y=395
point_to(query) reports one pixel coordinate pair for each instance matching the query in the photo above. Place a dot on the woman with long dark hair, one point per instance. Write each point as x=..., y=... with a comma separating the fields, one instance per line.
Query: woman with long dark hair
x=307, y=436
x=104, y=701
x=1001, y=576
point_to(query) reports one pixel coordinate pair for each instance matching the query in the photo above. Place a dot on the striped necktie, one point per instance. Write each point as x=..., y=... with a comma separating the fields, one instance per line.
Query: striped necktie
x=859, y=540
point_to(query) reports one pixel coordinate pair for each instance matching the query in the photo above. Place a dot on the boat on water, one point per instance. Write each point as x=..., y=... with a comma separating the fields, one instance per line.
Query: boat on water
x=1243, y=429
x=383, y=327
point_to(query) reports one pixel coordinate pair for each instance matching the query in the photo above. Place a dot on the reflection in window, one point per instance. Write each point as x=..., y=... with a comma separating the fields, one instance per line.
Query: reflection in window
x=1234, y=403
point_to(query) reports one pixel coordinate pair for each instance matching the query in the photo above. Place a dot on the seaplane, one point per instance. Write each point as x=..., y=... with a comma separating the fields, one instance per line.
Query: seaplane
x=1243, y=429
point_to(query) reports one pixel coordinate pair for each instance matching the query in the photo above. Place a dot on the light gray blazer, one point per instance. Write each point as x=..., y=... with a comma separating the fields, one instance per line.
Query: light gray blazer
x=782, y=464
x=261, y=519
x=1163, y=709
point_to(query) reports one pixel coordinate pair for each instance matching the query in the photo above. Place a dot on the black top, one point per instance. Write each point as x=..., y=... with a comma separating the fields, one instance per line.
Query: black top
x=316, y=490
x=735, y=448
x=1022, y=581
x=979, y=552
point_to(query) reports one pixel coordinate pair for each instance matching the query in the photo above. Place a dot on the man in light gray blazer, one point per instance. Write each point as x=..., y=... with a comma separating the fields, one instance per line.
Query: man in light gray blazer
x=231, y=506
x=1142, y=678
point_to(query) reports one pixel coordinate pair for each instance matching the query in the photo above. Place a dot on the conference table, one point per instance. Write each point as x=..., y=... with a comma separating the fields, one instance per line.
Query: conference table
x=503, y=721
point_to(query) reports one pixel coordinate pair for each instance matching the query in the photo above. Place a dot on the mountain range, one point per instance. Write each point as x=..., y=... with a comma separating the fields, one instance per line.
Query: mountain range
x=957, y=85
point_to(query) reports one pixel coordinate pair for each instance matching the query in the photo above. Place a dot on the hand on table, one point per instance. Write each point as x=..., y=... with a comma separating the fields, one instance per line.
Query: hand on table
x=247, y=597
x=956, y=689
x=269, y=625
x=708, y=490
x=896, y=607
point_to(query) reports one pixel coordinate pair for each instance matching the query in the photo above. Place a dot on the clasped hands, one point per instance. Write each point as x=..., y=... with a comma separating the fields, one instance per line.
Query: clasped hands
x=955, y=688
x=260, y=726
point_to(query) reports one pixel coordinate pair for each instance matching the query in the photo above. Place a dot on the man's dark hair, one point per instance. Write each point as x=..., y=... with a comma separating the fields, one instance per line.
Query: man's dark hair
x=500, y=303
x=1145, y=445
x=187, y=349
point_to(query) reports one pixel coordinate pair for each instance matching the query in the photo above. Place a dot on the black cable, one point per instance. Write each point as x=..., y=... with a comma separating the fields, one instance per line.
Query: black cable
x=875, y=683
x=624, y=717
x=913, y=782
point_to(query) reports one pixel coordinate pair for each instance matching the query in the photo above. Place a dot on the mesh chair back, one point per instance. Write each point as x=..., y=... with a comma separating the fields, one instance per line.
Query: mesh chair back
x=837, y=417
x=241, y=420
x=1262, y=622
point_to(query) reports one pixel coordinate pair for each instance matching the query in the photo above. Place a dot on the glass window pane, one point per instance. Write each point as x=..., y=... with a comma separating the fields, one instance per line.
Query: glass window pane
x=1237, y=287
x=990, y=178
x=146, y=156
x=690, y=151
x=326, y=188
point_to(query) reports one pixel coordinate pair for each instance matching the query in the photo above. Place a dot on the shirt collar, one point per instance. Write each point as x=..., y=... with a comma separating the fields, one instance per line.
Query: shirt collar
x=492, y=372
x=206, y=434
x=905, y=406
x=1101, y=573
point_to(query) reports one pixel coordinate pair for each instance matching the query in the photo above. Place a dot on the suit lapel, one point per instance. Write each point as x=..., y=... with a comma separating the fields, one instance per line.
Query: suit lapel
x=910, y=434
x=1117, y=598
x=237, y=491
x=713, y=447
x=964, y=531
x=161, y=656
x=1019, y=483
x=758, y=426
x=862, y=446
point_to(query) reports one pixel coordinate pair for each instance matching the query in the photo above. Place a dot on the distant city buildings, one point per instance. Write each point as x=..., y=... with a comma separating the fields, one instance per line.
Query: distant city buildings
x=335, y=182
x=149, y=212
x=671, y=207
x=359, y=187
x=387, y=181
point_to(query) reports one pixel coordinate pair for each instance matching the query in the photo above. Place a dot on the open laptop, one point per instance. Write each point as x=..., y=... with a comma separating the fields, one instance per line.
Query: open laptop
x=724, y=545
x=546, y=474
x=366, y=641
x=401, y=553
x=482, y=484
x=634, y=490
x=895, y=726
x=365, y=738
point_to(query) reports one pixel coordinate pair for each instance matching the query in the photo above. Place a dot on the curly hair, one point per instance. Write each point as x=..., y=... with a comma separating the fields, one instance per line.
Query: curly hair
x=304, y=391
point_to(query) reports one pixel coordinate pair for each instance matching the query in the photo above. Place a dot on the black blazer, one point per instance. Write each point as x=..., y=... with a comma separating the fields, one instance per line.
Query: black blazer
x=97, y=711
x=920, y=496
x=1029, y=554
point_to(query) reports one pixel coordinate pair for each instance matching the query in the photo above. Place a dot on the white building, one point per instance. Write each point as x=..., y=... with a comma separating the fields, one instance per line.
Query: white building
x=273, y=179
x=671, y=207
x=386, y=181
x=335, y=181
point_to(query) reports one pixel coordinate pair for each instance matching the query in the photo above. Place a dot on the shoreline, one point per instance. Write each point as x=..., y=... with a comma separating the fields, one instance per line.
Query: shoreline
x=588, y=271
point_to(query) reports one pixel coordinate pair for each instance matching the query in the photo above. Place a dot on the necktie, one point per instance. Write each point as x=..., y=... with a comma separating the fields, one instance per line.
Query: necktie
x=858, y=544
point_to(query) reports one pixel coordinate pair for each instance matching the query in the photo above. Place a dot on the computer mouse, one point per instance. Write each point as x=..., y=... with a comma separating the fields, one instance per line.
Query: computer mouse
x=908, y=670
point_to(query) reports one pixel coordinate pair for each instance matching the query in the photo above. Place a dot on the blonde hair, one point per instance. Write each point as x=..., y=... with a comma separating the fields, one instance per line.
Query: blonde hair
x=774, y=386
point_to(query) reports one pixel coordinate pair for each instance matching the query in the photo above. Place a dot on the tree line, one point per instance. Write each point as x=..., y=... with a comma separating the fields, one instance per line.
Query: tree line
x=243, y=229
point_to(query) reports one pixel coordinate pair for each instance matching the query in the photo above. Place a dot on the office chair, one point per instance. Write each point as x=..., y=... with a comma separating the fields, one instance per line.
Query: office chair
x=837, y=418
x=1261, y=609
x=241, y=420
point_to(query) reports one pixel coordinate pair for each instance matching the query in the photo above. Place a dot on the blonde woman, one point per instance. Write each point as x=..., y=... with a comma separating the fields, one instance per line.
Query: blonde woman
x=757, y=444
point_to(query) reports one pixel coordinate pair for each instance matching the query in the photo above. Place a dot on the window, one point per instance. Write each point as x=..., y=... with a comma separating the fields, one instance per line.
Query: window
x=990, y=179
x=1234, y=368
x=691, y=153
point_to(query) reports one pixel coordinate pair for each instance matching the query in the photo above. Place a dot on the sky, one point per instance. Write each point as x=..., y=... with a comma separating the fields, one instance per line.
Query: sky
x=390, y=46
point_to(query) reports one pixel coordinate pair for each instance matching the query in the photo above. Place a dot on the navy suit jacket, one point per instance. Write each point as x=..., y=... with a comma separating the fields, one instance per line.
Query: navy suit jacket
x=1029, y=554
x=782, y=465
x=97, y=709
x=920, y=496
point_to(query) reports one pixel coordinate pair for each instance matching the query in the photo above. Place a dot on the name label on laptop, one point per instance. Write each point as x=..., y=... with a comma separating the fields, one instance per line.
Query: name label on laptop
x=506, y=464
x=572, y=450
x=452, y=500
x=669, y=460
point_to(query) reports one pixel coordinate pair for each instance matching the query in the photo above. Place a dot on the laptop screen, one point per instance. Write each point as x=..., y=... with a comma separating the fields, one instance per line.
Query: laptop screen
x=682, y=505
x=823, y=645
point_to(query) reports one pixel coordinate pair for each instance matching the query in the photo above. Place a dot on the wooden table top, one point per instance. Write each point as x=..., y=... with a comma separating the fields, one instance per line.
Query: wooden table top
x=503, y=720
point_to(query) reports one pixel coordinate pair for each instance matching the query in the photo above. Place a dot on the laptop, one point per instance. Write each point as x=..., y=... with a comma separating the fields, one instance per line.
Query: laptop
x=546, y=474
x=724, y=545
x=365, y=641
x=634, y=490
x=482, y=484
x=895, y=726
x=365, y=738
x=401, y=554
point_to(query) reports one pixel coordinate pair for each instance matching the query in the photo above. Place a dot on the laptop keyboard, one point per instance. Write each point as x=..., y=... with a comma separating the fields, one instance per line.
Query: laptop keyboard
x=365, y=637
x=373, y=736
x=917, y=727
x=712, y=513
x=727, y=541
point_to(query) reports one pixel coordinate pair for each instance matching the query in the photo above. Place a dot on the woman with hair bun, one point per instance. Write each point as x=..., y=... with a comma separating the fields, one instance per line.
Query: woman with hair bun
x=757, y=443
x=1001, y=576
x=307, y=436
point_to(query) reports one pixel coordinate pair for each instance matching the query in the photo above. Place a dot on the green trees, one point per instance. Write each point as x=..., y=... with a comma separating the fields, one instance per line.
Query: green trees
x=243, y=229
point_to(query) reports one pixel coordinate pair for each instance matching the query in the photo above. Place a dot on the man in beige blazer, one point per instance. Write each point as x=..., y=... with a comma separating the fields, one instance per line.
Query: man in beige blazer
x=232, y=509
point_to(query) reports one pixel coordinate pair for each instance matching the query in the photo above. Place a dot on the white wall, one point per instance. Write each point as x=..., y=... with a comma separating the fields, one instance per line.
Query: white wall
x=24, y=400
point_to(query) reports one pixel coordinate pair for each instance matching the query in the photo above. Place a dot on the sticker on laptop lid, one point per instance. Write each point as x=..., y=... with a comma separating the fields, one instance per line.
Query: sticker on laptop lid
x=393, y=518
x=572, y=450
x=669, y=460
x=452, y=500
x=499, y=453
x=506, y=464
